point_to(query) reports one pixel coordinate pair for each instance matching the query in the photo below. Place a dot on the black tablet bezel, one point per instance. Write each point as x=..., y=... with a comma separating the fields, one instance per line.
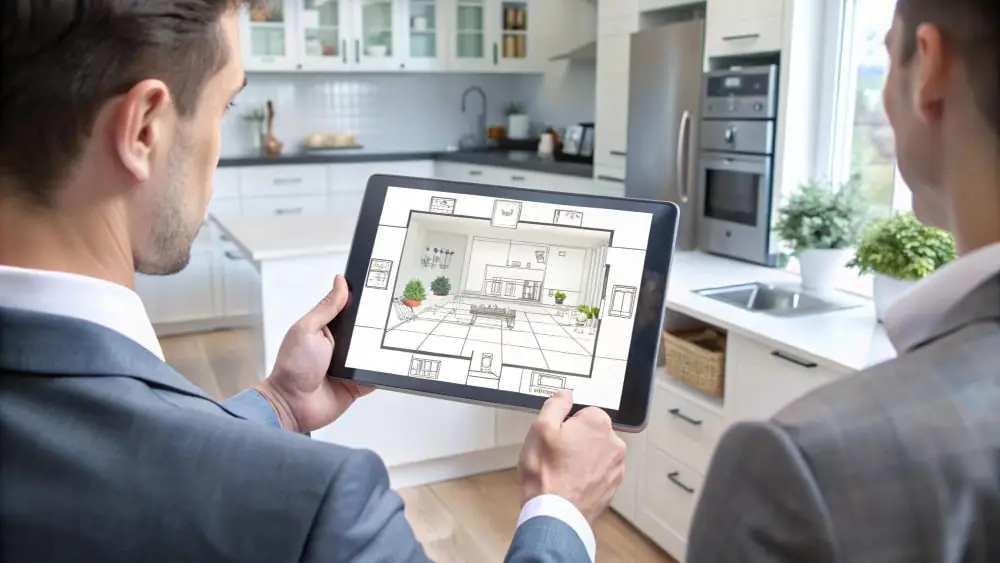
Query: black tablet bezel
x=633, y=412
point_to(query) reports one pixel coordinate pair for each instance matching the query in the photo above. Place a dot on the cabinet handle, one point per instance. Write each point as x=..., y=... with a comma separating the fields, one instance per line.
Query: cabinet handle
x=673, y=479
x=517, y=178
x=617, y=153
x=611, y=179
x=357, y=50
x=796, y=361
x=343, y=50
x=288, y=211
x=744, y=36
x=495, y=53
x=284, y=181
x=684, y=417
x=475, y=172
x=233, y=255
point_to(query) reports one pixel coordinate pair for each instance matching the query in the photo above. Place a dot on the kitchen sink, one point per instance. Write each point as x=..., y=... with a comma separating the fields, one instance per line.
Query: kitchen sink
x=774, y=300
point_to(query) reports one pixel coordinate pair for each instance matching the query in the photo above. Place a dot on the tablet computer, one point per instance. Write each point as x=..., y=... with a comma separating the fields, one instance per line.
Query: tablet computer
x=503, y=296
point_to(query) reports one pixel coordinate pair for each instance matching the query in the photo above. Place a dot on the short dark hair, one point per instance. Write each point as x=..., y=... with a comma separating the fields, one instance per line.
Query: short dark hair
x=972, y=27
x=61, y=60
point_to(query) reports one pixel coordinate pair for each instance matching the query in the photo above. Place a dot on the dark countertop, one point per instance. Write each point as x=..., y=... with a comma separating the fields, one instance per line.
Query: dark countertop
x=522, y=160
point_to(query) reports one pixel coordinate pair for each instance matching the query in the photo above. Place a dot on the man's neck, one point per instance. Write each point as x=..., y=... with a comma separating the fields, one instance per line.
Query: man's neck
x=75, y=243
x=973, y=180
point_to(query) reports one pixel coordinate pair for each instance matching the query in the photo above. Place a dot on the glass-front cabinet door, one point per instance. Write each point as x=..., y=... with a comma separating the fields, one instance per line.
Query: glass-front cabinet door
x=424, y=36
x=515, y=49
x=324, y=28
x=471, y=45
x=375, y=43
x=267, y=37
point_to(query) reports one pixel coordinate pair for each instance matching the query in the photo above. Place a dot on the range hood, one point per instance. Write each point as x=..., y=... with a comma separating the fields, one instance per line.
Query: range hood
x=585, y=52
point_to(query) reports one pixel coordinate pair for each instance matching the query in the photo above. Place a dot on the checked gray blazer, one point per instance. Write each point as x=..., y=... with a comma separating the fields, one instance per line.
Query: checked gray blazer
x=109, y=455
x=897, y=464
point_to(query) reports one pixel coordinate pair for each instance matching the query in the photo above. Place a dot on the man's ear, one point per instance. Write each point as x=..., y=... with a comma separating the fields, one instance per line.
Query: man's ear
x=141, y=122
x=931, y=69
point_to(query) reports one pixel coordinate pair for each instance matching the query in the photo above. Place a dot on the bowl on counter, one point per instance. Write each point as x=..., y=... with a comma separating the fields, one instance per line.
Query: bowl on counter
x=376, y=50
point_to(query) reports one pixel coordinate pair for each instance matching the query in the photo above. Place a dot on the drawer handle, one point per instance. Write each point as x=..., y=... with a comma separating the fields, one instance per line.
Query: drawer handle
x=475, y=172
x=282, y=181
x=684, y=417
x=517, y=178
x=233, y=255
x=796, y=361
x=673, y=479
x=744, y=36
x=288, y=211
x=611, y=179
x=617, y=153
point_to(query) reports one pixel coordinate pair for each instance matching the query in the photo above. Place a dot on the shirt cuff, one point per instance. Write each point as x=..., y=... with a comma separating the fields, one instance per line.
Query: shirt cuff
x=251, y=405
x=561, y=509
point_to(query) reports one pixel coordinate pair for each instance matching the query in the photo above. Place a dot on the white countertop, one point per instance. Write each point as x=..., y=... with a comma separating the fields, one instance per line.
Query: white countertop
x=286, y=236
x=843, y=341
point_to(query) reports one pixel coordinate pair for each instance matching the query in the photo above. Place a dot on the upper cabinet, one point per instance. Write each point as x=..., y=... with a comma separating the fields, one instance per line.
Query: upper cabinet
x=739, y=27
x=384, y=35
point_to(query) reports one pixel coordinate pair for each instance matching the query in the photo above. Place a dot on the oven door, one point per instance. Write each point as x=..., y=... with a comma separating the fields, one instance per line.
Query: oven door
x=735, y=212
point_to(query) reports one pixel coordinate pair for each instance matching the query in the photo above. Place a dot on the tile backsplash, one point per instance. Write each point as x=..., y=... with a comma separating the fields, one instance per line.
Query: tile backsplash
x=402, y=112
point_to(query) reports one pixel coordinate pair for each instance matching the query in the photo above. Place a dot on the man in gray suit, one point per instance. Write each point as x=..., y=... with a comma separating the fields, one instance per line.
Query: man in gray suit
x=108, y=144
x=900, y=463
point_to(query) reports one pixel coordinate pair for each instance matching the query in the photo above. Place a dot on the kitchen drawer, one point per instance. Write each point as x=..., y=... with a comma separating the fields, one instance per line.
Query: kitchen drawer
x=283, y=180
x=684, y=429
x=744, y=9
x=738, y=37
x=668, y=493
x=270, y=206
x=226, y=184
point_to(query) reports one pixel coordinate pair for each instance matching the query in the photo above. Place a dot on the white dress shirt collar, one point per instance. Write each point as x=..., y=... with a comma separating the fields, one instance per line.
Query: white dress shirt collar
x=913, y=318
x=71, y=295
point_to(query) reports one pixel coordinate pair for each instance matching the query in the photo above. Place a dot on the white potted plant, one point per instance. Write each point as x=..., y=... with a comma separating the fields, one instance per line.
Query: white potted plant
x=518, y=123
x=821, y=226
x=900, y=251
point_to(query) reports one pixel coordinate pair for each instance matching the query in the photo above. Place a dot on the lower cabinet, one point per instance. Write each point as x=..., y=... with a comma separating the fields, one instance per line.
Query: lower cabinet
x=239, y=283
x=669, y=491
x=513, y=426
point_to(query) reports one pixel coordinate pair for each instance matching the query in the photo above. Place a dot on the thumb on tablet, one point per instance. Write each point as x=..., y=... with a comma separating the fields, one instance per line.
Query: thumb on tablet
x=330, y=306
x=556, y=408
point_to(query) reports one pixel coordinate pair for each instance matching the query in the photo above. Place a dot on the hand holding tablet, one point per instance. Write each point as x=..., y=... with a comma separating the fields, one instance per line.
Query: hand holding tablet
x=505, y=296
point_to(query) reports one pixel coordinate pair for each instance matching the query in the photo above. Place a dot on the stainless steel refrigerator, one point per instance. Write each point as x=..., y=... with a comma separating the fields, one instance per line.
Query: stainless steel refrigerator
x=665, y=81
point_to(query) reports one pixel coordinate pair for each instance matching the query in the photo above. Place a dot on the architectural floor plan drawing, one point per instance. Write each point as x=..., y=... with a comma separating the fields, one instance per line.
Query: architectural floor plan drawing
x=515, y=295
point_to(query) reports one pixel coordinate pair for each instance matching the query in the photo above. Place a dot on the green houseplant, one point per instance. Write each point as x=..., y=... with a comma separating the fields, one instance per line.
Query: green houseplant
x=899, y=251
x=413, y=293
x=821, y=225
x=559, y=297
x=441, y=286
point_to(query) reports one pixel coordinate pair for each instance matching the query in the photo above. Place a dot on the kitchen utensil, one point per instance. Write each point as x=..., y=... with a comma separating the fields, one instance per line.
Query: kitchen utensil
x=271, y=143
x=546, y=144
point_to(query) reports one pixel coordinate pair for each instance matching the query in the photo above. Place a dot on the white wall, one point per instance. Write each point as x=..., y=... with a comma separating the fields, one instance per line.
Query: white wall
x=409, y=266
x=564, y=274
x=484, y=253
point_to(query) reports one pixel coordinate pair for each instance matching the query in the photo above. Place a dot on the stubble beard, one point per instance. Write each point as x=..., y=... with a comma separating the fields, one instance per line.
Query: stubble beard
x=171, y=236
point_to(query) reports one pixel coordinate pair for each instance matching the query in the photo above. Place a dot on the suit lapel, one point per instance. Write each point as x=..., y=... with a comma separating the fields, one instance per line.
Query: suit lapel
x=981, y=305
x=49, y=345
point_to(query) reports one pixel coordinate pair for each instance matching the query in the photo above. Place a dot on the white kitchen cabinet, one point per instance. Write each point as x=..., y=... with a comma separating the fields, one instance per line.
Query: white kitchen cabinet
x=268, y=37
x=324, y=34
x=290, y=205
x=765, y=379
x=405, y=428
x=626, y=498
x=668, y=493
x=739, y=27
x=683, y=427
x=612, y=90
x=513, y=426
x=186, y=296
x=283, y=180
x=497, y=35
x=423, y=37
x=650, y=5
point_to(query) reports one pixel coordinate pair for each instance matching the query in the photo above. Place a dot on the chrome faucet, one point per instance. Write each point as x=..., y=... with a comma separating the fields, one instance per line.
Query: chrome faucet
x=481, y=133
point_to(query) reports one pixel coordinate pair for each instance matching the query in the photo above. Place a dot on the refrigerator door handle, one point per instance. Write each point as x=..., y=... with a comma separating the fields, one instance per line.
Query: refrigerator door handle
x=682, y=174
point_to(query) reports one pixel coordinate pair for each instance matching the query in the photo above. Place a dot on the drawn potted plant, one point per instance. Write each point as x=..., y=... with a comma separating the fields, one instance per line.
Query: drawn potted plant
x=414, y=293
x=821, y=225
x=594, y=315
x=441, y=286
x=560, y=297
x=583, y=314
x=900, y=251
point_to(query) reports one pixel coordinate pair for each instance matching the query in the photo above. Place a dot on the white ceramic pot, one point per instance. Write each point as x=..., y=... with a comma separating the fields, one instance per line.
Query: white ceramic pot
x=518, y=125
x=885, y=292
x=820, y=267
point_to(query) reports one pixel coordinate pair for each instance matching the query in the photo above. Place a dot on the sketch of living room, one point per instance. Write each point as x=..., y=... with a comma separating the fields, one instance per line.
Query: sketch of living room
x=527, y=298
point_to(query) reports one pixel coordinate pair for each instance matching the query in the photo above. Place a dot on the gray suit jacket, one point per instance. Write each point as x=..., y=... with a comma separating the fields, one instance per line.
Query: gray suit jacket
x=109, y=455
x=899, y=463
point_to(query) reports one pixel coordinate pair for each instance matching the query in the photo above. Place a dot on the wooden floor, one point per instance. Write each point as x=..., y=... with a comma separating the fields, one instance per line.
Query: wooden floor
x=461, y=521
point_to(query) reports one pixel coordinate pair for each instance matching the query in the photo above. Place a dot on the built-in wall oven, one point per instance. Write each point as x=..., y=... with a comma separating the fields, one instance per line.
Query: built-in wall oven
x=736, y=163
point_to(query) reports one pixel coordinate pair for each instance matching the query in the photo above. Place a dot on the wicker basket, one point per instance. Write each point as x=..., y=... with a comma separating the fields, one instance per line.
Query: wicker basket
x=697, y=358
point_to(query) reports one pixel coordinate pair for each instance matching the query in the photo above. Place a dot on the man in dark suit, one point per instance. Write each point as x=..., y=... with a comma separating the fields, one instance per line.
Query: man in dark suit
x=108, y=144
x=899, y=463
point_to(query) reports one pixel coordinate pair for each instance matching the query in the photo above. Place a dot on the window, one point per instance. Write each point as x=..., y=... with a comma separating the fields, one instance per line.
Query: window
x=622, y=300
x=428, y=369
x=861, y=140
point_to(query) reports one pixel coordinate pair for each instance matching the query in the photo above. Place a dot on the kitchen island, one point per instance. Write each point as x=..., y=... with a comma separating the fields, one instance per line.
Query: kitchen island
x=770, y=361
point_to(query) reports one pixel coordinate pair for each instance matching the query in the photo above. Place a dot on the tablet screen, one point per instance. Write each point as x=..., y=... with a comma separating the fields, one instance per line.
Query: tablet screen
x=520, y=296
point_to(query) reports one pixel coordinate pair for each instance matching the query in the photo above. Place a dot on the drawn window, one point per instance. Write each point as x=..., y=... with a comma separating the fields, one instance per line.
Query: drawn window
x=425, y=368
x=622, y=301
